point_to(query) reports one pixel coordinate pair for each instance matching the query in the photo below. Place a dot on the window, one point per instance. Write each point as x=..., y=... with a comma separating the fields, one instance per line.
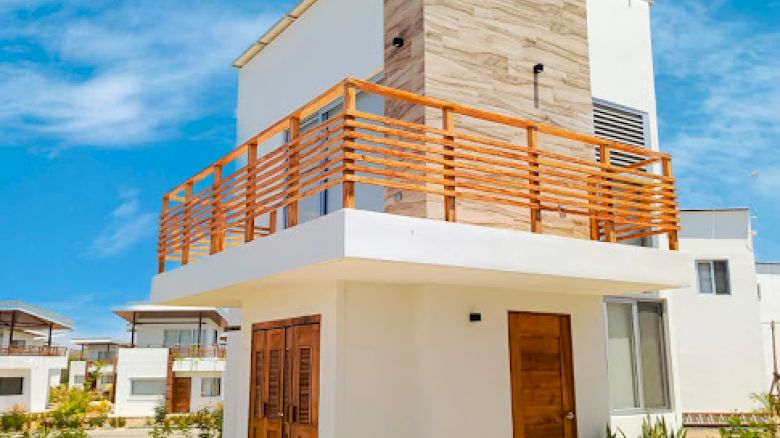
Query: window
x=107, y=380
x=636, y=345
x=210, y=386
x=147, y=387
x=18, y=343
x=78, y=380
x=11, y=385
x=713, y=277
x=106, y=356
x=184, y=337
x=622, y=124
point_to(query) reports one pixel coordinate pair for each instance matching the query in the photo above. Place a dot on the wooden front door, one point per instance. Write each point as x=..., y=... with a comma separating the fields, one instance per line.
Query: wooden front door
x=542, y=376
x=284, y=384
x=181, y=394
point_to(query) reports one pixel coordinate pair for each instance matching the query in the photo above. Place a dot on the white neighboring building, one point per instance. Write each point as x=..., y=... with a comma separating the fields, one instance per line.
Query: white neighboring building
x=96, y=355
x=176, y=356
x=769, y=291
x=30, y=363
x=716, y=322
x=395, y=322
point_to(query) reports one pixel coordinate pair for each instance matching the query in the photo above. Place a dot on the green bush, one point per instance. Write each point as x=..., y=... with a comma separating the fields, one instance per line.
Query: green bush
x=13, y=420
x=117, y=422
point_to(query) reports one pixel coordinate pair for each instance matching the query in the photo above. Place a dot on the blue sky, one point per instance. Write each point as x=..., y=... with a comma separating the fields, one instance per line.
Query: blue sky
x=106, y=105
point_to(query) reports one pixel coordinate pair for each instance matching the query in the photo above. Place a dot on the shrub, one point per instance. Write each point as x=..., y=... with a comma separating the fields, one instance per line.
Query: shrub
x=13, y=420
x=659, y=429
x=117, y=422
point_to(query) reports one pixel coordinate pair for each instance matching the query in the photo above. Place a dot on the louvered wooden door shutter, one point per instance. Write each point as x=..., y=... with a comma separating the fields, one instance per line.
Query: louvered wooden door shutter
x=305, y=381
x=284, y=385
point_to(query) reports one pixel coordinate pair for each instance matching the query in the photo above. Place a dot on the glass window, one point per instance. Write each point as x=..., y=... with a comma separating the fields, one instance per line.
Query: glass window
x=147, y=387
x=11, y=385
x=78, y=380
x=638, y=378
x=184, y=337
x=210, y=386
x=107, y=379
x=713, y=277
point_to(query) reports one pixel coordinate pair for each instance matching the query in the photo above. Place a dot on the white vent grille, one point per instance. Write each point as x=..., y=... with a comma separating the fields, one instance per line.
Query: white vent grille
x=620, y=124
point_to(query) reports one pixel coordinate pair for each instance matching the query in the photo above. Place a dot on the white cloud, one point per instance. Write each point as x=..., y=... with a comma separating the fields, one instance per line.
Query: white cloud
x=122, y=75
x=127, y=225
x=730, y=124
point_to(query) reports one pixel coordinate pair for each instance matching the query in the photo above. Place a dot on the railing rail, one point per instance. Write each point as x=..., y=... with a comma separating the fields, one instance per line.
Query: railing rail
x=199, y=352
x=33, y=351
x=239, y=198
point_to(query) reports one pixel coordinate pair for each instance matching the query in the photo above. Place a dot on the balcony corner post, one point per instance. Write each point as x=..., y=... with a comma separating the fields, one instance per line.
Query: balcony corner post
x=674, y=241
x=605, y=158
x=249, y=192
x=293, y=171
x=163, y=236
x=216, y=228
x=448, y=125
x=348, y=186
x=187, y=225
x=532, y=137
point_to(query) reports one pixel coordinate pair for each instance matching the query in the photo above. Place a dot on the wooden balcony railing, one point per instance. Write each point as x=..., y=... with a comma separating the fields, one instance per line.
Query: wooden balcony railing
x=199, y=352
x=247, y=195
x=33, y=351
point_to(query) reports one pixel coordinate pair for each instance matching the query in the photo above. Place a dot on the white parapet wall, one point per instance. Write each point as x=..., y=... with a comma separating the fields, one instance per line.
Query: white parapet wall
x=147, y=365
x=38, y=373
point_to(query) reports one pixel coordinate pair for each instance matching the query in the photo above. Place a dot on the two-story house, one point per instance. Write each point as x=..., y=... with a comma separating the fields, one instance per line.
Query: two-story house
x=30, y=362
x=175, y=356
x=93, y=363
x=432, y=247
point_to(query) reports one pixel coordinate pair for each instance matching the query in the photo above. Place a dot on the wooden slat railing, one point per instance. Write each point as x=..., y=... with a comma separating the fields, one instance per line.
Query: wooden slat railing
x=33, y=351
x=247, y=194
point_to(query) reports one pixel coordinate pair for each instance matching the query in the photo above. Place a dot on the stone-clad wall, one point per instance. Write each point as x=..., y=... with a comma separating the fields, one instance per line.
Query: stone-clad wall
x=481, y=53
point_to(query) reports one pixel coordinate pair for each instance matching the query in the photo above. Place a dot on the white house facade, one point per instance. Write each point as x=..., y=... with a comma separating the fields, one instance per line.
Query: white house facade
x=441, y=246
x=30, y=362
x=175, y=357
x=93, y=364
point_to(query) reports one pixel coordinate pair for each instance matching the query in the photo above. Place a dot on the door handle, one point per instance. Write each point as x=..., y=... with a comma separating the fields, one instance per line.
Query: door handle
x=570, y=416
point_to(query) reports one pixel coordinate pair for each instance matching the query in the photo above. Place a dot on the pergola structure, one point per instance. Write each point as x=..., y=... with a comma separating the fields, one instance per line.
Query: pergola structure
x=18, y=316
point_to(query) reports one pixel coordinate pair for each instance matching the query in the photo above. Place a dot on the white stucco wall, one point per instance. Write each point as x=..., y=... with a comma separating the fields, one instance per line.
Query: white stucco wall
x=332, y=40
x=139, y=363
x=39, y=373
x=77, y=368
x=621, y=59
x=718, y=341
x=770, y=311
x=405, y=361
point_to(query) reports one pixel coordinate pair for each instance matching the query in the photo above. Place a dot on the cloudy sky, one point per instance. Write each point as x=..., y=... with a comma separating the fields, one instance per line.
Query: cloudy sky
x=104, y=105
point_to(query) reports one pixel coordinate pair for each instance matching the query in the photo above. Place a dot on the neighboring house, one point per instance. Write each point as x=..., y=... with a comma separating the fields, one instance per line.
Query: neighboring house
x=416, y=258
x=94, y=363
x=716, y=322
x=30, y=362
x=768, y=275
x=175, y=357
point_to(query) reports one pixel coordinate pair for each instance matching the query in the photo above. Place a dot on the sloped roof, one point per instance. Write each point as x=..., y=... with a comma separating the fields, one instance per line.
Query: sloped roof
x=29, y=316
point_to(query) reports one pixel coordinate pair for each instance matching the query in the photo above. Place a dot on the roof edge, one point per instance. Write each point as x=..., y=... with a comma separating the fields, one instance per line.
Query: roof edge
x=271, y=34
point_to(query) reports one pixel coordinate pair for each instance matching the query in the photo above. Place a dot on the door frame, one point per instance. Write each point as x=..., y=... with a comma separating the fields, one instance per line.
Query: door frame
x=567, y=363
x=270, y=325
x=189, y=394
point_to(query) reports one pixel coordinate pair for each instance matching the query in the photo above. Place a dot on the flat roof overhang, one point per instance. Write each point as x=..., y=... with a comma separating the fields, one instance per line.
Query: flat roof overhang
x=143, y=313
x=29, y=317
x=357, y=245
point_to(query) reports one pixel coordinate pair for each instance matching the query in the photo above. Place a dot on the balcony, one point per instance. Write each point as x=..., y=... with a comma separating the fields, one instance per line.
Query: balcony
x=475, y=160
x=195, y=352
x=33, y=351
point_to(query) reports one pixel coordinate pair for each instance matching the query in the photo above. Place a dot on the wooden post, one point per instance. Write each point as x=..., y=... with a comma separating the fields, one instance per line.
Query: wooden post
x=51, y=327
x=532, y=134
x=350, y=105
x=594, y=222
x=186, y=234
x=132, y=331
x=13, y=326
x=217, y=228
x=448, y=125
x=294, y=133
x=674, y=242
x=609, y=223
x=162, y=250
x=249, y=218
x=200, y=328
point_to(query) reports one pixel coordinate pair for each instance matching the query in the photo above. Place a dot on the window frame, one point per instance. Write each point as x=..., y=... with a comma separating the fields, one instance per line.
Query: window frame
x=79, y=379
x=133, y=381
x=713, y=279
x=637, y=338
x=210, y=378
x=21, y=386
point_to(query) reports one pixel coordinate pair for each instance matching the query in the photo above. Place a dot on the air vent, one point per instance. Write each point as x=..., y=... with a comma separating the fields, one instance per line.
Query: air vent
x=621, y=124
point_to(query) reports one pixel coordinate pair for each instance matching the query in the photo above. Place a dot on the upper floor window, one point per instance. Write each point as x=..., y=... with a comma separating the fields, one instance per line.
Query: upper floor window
x=210, y=386
x=713, y=277
x=188, y=337
x=11, y=385
x=636, y=345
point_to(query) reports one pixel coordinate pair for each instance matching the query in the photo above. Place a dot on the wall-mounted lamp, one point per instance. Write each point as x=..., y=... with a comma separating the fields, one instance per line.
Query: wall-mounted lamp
x=538, y=68
x=398, y=42
x=475, y=317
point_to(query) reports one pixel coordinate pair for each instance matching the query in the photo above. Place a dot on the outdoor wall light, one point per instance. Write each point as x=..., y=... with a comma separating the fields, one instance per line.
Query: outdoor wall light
x=398, y=42
x=538, y=68
x=475, y=317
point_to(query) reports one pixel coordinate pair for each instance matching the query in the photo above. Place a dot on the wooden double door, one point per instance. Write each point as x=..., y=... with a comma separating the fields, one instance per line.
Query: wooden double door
x=284, y=385
x=542, y=375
